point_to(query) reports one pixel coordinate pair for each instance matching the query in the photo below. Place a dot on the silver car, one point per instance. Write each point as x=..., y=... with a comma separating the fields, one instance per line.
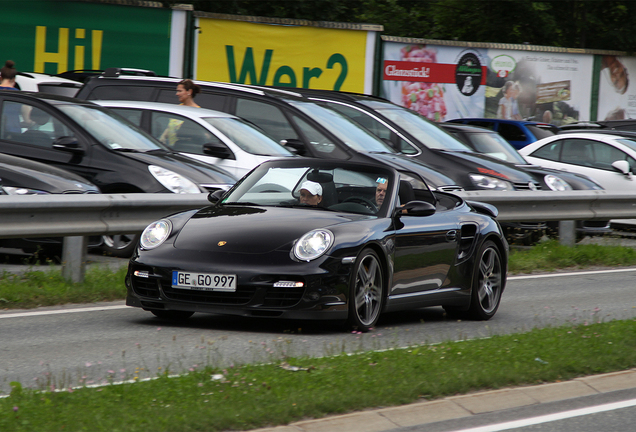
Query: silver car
x=211, y=136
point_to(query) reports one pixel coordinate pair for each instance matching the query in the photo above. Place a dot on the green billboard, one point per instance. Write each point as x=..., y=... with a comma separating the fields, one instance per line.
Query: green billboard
x=56, y=36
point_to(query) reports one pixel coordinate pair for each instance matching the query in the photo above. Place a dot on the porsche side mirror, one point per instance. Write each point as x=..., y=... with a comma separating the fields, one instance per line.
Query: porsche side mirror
x=215, y=197
x=623, y=167
x=297, y=145
x=415, y=208
x=68, y=144
x=217, y=150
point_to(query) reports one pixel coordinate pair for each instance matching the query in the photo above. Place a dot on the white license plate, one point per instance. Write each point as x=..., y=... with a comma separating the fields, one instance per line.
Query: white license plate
x=203, y=281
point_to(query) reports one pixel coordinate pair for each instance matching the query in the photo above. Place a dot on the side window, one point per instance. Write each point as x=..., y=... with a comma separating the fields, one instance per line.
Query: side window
x=30, y=125
x=511, y=132
x=604, y=155
x=206, y=100
x=180, y=133
x=268, y=117
x=124, y=92
x=549, y=152
x=132, y=115
x=577, y=152
x=321, y=145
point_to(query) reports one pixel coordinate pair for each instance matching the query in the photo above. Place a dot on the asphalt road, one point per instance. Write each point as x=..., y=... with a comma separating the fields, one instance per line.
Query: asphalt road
x=94, y=343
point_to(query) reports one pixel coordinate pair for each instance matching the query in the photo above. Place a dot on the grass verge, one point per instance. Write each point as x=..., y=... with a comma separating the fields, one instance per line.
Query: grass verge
x=252, y=396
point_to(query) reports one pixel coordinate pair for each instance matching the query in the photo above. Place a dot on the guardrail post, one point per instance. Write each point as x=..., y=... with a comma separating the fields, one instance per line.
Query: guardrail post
x=567, y=232
x=74, y=258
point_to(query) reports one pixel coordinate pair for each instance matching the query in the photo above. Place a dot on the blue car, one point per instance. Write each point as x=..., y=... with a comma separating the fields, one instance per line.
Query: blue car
x=519, y=133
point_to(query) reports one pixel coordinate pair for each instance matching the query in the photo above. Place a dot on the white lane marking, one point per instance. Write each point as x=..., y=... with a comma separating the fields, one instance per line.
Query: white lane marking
x=622, y=270
x=552, y=417
x=62, y=311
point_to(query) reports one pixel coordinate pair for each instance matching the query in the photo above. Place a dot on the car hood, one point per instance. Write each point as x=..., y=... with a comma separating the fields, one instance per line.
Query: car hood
x=24, y=173
x=431, y=176
x=482, y=164
x=200, y=172
x=253, y=230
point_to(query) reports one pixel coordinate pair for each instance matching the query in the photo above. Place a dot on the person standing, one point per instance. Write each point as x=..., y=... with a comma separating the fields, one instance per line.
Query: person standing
x=7, y=76
x=186, y=91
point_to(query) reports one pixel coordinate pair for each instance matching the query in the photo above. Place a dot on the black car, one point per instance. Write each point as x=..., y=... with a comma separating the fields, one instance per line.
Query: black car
x=101, y=147
x=258, y=251
x=287, y=116
x=19, y=176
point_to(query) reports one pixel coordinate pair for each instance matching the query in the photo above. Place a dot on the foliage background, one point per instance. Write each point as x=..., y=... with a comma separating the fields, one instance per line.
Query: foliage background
x=591, y=24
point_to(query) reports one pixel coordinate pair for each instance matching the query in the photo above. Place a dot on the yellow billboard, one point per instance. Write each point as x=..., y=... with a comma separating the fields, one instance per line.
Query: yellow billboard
x=281, y=55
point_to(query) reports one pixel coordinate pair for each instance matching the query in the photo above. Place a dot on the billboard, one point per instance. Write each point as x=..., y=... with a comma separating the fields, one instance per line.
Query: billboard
x=285, y=55
x=554, y=87
x=56, y=36
x=439, y=82
x=617, y=95
x=444, y=82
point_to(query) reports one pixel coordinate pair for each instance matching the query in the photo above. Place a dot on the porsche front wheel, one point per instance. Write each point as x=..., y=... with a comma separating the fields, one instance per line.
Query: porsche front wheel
x=366, y=291
x=488, y=282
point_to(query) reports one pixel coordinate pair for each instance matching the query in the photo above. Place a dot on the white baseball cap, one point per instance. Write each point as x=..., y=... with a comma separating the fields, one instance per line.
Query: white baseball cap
x=312, y=187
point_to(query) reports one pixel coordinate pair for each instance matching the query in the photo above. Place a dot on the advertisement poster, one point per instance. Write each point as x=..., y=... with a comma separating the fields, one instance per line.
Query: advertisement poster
x=283, y=55
x=439, y=82
x=54, y=37
x=539, y=86
x=617, y=95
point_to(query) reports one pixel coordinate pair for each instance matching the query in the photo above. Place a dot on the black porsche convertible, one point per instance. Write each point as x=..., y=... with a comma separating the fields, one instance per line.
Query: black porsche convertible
x=322, y=239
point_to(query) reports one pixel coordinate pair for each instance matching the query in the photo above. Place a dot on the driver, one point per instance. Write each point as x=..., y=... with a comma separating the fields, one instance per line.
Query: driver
x=310, y=193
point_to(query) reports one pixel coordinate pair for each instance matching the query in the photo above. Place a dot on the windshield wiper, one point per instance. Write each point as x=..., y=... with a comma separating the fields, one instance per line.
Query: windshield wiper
x=127, y=150
x=245, y=203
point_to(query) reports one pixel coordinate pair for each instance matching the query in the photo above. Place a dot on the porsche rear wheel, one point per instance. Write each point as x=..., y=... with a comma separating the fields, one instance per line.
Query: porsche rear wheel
x=488, y=283
x=366, y=292
x=172, y=315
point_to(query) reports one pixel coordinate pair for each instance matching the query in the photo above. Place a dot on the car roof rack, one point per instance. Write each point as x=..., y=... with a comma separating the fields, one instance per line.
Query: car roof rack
x=623, y=133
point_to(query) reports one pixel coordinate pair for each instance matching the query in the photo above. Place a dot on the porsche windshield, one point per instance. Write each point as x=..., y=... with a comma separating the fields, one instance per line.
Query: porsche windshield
x=336, y=189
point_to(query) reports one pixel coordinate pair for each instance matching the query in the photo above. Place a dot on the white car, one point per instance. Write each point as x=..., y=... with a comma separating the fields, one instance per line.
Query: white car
x=608, y=158
x=39, y=82
x=214, y=137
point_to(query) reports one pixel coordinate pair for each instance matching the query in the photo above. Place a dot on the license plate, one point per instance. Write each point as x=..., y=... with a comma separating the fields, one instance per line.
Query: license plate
x=203, y=281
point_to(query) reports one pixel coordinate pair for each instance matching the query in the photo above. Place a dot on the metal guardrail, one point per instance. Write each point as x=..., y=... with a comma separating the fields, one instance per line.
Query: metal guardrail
x=76, y=216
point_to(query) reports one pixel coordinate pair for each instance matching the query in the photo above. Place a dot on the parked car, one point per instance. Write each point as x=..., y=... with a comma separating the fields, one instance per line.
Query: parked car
x=96, y=144
x=213, y=137
x=259, y=252
x=39, y=82
x=608, y=158
x=519, y=133
x=602, y=125
x=19, y=176
x=492, y=144
x=287, y=116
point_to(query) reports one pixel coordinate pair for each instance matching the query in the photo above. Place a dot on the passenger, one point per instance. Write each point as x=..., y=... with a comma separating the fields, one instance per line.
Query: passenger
x=380, y=191
x=310, y=193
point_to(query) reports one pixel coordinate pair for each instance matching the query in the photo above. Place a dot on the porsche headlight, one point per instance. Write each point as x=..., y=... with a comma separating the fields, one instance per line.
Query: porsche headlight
x=172, y=181
x=155, y=234
x=556, y=183
x=313, y=244
x=491, y=183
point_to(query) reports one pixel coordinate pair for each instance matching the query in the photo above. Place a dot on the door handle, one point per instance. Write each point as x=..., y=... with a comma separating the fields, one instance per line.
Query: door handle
x=451, y=235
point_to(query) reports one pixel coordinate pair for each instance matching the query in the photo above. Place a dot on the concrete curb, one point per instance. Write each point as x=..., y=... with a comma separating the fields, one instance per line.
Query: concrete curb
x=454, y=407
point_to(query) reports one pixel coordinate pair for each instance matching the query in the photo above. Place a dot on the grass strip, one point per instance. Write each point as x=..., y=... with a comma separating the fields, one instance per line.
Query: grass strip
x=48, y=288
x=252, y=396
